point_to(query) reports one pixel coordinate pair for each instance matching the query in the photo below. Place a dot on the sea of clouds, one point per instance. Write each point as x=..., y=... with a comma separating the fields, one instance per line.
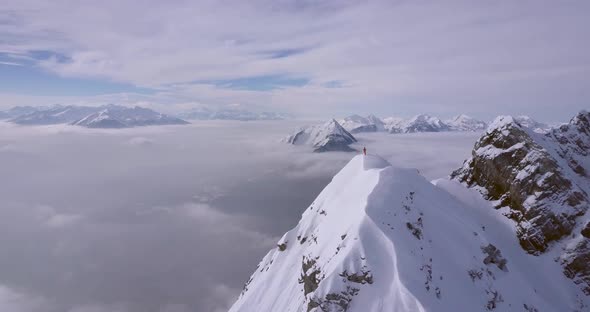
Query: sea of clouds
x=163, y=219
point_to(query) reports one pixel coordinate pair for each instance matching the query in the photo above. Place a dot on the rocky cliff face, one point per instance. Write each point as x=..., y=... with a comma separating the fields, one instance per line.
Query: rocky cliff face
x=541, y=182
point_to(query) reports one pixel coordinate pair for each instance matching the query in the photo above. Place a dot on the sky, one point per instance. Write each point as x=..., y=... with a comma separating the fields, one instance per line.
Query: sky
x=164, y=219
x=308, y=58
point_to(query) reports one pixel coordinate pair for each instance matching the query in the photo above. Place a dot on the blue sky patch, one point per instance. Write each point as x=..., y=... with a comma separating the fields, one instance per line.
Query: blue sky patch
x=29, y=79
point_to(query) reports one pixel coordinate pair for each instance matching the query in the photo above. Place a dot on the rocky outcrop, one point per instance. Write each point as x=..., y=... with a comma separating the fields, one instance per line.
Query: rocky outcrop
x=542, y=182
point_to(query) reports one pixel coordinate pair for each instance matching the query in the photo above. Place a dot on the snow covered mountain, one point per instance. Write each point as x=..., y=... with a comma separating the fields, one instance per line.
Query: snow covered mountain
x=107, y=116
x=529, y=122
x=204, y=113
x=466, y=123
x=379, y=239
x=419, y=123
x=394, y=124
x=542, y=183
x=330, y=136
x=113, y=116
x=57, y=114
x=356, y=124
x=425, y=123
x=17, y=111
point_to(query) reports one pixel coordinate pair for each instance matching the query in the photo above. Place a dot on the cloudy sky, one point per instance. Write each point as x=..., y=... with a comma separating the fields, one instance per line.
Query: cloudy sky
x=163, y=219
x=309, y=58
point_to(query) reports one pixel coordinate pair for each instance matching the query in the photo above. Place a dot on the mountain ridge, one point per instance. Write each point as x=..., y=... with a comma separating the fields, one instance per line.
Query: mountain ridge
x=541, y=182
x=105, y=116
x=380, y=238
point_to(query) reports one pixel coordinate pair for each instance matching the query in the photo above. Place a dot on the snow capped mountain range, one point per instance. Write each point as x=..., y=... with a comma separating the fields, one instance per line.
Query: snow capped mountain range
x=339, y=134
x=107, y=116
x=113, y=116
x=330, y=136
x=379, y=238
x=419, y=123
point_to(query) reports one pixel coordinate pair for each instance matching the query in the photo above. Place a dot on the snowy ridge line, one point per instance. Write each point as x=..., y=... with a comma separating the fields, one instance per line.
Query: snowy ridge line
x=380, y=238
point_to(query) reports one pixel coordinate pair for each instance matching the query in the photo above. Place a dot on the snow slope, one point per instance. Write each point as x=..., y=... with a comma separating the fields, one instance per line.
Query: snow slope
x=330, y=136
x=379, y=238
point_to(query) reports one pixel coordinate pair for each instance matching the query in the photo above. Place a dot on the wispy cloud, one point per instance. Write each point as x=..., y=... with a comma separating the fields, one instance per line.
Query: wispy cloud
x=386, y=56
x=10, y=63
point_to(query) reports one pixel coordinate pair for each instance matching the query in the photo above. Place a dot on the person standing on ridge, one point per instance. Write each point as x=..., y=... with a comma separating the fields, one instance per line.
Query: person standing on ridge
x=365, y=151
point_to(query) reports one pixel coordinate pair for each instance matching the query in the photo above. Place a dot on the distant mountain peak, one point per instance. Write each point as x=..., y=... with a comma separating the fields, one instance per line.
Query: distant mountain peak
x=330, y=136
x=356, y=123
x=466, y=123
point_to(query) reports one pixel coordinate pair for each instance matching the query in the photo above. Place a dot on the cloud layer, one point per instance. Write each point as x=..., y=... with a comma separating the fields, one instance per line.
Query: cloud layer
x=386, y=57
x=162, y=219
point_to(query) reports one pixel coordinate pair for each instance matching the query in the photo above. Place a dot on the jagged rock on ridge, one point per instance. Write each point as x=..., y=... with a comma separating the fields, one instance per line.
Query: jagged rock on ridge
x=542, y=180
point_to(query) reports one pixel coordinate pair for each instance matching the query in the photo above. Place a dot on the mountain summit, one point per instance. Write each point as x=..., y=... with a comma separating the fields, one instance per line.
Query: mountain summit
x=380, y=238
x=330, y=136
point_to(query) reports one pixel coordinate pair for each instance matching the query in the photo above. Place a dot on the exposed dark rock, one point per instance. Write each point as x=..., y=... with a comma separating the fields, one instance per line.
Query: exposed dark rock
x=310, y=275
x=494, y=256
x=335, y=302
x=542, y=179
x=475, y=275
x=494, y=299
x=576, y=263
x=586, y=230
x=362, y=278
x=415, y=228
x=282, y=247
